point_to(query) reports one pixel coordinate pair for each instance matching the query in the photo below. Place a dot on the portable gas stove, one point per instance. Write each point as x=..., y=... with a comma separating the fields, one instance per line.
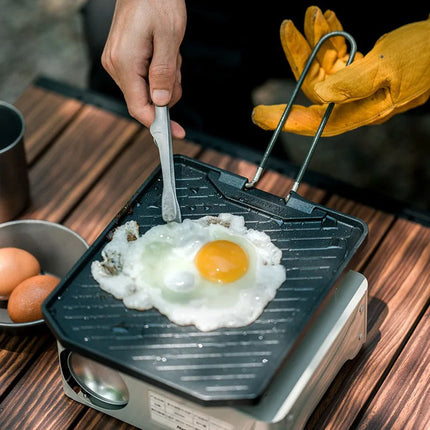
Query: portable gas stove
x=144, y=370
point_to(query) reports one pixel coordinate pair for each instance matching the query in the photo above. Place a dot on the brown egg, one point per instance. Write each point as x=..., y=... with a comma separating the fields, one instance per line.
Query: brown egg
x=15, y=265
x=25, y=301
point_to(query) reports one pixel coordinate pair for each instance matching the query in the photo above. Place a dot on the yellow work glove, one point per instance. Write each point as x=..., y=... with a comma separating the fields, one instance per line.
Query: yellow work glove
x=392, y=78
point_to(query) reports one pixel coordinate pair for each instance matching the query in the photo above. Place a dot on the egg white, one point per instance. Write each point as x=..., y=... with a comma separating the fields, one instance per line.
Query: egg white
x=157, y=270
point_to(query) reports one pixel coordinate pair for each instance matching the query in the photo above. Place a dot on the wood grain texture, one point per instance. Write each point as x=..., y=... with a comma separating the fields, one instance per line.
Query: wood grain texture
x=16, y=352
x=93, y=420
x=46, y=114
x=403, y=401
x=77, y=159
x=399, y=289
x=118, y=185
x=378, y=223
x=37, y=401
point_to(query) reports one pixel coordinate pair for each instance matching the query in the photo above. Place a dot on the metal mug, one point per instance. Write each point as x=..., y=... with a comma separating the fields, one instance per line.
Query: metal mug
x=14, y=181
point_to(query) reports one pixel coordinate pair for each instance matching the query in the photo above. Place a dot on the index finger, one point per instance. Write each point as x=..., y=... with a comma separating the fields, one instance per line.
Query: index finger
x=163, y=68
x=135, y=90
x=136, y=95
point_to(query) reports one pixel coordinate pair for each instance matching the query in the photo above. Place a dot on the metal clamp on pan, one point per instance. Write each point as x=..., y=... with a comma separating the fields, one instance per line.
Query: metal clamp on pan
x=285, y=114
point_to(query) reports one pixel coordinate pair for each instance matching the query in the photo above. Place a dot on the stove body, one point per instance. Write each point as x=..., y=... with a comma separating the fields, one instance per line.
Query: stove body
x=336, y=335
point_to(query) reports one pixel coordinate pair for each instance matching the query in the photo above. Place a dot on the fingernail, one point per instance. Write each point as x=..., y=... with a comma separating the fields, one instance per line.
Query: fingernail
x=161, y=97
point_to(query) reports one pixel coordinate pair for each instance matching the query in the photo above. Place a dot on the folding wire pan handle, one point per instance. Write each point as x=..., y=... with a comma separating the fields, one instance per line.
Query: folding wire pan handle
x=285, y=114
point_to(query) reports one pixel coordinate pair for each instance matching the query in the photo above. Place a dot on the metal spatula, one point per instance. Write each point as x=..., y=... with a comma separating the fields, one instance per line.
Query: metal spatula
x=160, y=131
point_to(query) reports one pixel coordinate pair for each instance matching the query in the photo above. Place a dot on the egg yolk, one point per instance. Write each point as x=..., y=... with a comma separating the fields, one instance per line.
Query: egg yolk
x=221, y=261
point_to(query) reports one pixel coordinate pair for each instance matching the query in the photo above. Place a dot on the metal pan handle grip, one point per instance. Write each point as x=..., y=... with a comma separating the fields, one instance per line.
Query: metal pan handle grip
x=285, y=114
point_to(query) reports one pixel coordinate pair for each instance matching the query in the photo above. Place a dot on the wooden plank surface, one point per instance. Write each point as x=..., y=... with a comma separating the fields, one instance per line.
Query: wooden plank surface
x=72, y=161
x=93, y=420
x=16, y=353
x=77, y=159
x=45, y=114
x=37, y=401
x=403, y=401
x=377, y=221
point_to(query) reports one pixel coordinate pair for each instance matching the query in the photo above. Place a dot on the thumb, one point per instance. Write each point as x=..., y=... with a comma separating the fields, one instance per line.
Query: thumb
x=357, y=81
x=162, y=71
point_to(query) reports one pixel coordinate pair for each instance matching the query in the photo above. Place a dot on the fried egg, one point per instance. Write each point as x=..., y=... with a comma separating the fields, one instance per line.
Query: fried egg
x=211, y=272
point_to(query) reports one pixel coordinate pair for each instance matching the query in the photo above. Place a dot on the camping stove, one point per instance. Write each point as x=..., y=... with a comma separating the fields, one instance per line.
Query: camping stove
x=335, y=336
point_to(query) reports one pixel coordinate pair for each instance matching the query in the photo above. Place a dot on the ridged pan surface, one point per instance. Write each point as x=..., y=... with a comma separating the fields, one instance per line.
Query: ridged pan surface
x=225, y=366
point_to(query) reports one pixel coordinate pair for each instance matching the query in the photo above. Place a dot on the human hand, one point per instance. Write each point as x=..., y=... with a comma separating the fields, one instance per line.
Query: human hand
x=142, y=55
x=392, y=78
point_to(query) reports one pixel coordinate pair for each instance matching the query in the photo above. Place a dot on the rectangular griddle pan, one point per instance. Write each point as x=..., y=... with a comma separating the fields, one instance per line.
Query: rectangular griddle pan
x=227, y=366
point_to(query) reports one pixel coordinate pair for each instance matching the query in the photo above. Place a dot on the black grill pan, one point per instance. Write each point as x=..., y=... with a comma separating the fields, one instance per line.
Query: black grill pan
x=226, y=366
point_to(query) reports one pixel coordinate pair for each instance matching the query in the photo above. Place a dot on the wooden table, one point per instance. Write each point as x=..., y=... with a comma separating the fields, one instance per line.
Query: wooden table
x=86, y=162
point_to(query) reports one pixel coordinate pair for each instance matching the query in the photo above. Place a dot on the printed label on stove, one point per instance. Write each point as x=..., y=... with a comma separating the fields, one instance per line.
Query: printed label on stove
x=175, y=416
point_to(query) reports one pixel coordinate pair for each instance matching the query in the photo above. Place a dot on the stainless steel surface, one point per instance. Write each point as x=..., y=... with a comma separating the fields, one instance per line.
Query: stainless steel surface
x=102, y=385
x=160, y=130
x=14, y=183
x=55, y=246
x=336, y=336
x=287, y=110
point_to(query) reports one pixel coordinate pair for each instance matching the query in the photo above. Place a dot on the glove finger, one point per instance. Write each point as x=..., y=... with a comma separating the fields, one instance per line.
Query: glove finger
x=339, y=42
x=296, y=47
x=317, y=26
x=333, y=54
x=335, y=25
x=306, y=120
x=297, y=51
x=300, y=121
